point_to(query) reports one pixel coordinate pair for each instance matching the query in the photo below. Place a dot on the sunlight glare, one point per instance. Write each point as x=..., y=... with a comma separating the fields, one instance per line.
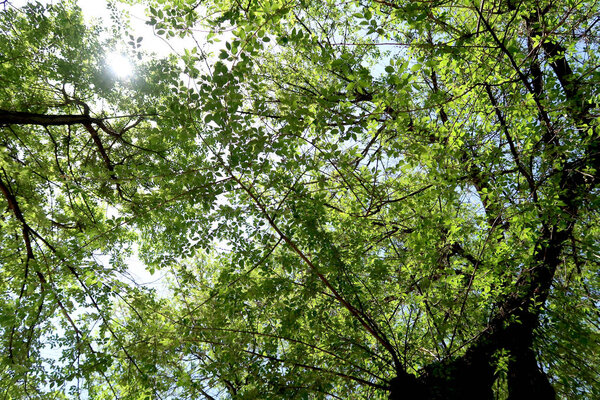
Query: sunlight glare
x=119, y=65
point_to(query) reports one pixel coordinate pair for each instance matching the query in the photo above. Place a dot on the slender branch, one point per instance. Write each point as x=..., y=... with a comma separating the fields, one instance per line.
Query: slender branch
x=511, y=144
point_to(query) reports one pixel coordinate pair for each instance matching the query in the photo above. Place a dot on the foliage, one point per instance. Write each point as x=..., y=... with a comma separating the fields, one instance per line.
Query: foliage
x=365, y=199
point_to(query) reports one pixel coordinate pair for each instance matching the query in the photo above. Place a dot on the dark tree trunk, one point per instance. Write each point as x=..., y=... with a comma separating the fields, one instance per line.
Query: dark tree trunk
x=466, y=378
x=525, y=379
x=472, y=377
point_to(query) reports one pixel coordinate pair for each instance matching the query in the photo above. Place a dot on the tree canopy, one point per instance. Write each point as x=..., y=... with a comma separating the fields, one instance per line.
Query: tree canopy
x=363, y=199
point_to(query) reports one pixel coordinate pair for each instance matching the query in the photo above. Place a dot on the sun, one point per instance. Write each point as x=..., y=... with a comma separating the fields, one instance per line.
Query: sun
x=119, y=65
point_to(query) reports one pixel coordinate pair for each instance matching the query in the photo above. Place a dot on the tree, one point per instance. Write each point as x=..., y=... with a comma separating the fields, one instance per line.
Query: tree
x=354, y=200
x=72, y=153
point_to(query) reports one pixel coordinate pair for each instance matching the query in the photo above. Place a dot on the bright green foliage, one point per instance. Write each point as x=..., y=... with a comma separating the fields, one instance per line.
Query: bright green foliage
x=351, y=199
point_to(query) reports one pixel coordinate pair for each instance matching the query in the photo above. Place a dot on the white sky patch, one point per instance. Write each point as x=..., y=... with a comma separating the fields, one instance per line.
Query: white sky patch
x=141, y=276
